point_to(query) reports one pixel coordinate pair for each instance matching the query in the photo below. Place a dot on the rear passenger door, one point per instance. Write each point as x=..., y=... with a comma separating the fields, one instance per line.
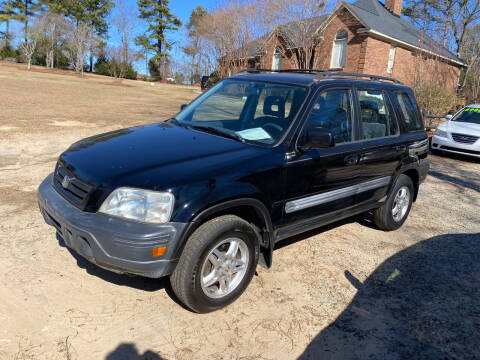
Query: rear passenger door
x=382, y=149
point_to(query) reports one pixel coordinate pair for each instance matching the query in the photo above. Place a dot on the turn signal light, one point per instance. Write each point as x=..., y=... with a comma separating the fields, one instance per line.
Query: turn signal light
x=159, y=251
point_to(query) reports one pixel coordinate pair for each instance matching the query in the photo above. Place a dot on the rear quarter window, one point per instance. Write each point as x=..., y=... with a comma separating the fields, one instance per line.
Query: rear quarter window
x=409, y=109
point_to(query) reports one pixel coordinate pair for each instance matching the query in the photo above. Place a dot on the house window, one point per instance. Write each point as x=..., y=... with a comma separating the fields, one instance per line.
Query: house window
x=277, y=59
x=339, y=50
x=391, y=59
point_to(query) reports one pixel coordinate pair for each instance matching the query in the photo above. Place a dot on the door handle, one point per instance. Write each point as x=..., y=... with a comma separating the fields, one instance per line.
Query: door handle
x=400, y=148
x=351, y=160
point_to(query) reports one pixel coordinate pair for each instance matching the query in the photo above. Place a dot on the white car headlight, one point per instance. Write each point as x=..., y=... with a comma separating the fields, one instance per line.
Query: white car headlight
x=141, y=205
x=441, y=133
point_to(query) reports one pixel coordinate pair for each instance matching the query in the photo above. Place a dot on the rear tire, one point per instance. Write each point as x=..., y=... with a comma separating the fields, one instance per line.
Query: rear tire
x=210, y=274
x=393, y=213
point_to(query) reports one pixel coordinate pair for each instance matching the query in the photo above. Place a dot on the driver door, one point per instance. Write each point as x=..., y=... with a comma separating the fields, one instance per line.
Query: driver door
x=320, y=183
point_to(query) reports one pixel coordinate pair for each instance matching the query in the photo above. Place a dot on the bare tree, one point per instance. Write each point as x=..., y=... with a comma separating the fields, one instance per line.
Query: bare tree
x=124, y=22
x=194, y=46
x=236, y=30
x=122, y=56
x=54, y=28
x=470, y=53
x=466, y=14
x=227, y=32
x=81, y=39
x=28, y=47
x=297, y=24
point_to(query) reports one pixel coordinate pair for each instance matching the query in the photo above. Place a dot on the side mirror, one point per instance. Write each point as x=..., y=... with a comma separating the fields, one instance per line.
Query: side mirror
x=318, y=138
x=448, y=117
x=183, y=106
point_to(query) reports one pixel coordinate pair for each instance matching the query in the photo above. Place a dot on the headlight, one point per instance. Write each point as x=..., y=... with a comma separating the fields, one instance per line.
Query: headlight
x=141, y=205
x=441, y=133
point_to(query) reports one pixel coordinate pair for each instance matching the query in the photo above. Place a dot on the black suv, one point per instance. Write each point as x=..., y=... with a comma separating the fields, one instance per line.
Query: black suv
x=260, y=157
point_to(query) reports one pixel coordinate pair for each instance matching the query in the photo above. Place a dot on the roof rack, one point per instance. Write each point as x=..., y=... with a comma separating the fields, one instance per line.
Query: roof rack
x=323, y=74
x=328, y=74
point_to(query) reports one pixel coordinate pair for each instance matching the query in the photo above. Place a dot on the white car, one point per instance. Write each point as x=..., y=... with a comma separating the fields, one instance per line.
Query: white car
x=461, y=133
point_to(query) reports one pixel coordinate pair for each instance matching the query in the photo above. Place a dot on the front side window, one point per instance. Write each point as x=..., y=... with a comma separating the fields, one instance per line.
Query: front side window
x=376, y=115
x=339, y=50
x=410, y=112
x=333, y=111
x=468, y=115
x=252, y=111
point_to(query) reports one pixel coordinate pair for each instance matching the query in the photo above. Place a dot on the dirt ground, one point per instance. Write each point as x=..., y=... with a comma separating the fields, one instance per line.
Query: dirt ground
x=344, y=291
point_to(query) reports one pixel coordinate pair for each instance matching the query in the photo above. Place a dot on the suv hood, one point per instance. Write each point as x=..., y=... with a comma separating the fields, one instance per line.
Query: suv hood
x=154, y=156
x=460, y=127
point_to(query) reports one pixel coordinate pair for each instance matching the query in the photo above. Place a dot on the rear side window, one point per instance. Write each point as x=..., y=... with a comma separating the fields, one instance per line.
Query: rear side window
x=410, y=112
x=376, y=115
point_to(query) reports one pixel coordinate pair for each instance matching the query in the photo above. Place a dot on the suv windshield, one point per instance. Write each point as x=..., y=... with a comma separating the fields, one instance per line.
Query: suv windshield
x=250, y=111
x=469, y=115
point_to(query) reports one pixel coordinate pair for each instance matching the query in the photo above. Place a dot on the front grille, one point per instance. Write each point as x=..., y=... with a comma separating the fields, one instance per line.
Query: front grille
x=464, y=139
x=74, y=190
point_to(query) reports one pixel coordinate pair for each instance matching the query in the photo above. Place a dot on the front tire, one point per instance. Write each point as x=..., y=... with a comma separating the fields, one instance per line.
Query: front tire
x=216, y=265
x=393, y=213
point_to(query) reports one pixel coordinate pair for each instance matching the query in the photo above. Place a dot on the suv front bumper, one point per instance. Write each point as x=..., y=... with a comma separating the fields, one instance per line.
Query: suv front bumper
x=119, y=245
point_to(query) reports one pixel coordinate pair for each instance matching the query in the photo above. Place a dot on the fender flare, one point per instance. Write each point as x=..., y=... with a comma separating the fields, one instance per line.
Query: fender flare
x=402, y=171
x=261, y=209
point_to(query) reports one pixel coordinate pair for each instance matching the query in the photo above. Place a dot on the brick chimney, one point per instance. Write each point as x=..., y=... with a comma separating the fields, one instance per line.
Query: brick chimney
x=394, y=6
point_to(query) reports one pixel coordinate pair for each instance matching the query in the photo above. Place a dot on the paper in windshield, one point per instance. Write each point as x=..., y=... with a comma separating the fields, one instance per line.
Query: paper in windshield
x=254, y=134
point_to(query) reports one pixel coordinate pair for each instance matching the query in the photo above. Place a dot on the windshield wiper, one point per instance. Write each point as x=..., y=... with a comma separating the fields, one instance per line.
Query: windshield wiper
x=217, y=131
x=174, y=120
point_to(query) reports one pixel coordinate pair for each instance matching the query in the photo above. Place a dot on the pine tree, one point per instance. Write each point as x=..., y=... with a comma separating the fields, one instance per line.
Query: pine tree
x=160, y=20
x=7, y=14
x=143, y=42
x=193, y=47
x=24, y=10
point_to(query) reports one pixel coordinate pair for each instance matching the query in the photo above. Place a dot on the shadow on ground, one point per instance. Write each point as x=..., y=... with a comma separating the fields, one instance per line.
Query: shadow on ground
x=455, y=156
x=422, y=303
x=466, y=183
x=136, y=282
x=450, y=167
x=128, y=351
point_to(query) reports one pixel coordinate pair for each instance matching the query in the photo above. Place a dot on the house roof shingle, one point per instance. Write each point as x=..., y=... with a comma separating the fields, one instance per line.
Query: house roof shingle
x=373, y=15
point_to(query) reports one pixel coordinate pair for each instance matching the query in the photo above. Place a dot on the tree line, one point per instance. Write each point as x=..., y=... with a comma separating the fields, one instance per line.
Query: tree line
x=75, y=34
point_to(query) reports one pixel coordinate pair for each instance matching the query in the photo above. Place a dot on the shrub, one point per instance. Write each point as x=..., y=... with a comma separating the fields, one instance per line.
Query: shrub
x=436, y=99
x=102, y=66
x=213, y=79
x=130, y=73
x=8, y=52
x=154, y=68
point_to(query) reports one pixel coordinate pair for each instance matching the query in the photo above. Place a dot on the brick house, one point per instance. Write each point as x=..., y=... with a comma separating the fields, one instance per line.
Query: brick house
x=365, y=37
